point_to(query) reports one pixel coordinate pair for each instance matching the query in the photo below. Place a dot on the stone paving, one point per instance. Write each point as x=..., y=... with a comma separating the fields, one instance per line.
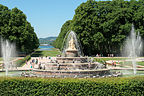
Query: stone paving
x=41, y=60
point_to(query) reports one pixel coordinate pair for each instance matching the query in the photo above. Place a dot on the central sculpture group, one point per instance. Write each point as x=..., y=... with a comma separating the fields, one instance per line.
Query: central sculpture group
x=71, y=51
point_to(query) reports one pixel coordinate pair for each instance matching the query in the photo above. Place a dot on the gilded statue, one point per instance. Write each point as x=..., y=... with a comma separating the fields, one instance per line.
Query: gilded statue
x=72, y=44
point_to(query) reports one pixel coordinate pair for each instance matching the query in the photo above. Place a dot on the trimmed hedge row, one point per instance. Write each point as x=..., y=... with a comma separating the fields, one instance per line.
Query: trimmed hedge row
x=130, y=86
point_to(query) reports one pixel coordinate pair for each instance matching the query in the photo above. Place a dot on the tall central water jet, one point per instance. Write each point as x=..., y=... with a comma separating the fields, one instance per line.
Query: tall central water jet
x=8, y=51
x=72, y=47
x=133, y=47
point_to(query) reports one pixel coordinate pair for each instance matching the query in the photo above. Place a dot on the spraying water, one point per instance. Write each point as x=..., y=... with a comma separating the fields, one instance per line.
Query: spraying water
x=133, y=47
x=69, y=35
x=8, y=52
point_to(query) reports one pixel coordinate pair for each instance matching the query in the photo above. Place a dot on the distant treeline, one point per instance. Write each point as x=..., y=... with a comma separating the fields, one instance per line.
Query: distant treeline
x=102, y=26
x=47, y=40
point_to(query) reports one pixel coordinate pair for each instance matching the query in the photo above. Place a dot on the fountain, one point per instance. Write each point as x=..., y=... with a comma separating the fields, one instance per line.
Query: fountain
x=71, y=46
x=72, y=63
x=133, y=47
x=8, y=51
x=71, y=51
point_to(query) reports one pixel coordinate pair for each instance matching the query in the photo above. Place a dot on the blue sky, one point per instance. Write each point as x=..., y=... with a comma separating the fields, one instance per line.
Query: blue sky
x=46, y=16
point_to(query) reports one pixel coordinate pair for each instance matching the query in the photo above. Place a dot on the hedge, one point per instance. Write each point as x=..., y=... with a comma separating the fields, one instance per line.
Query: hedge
x=20, y=86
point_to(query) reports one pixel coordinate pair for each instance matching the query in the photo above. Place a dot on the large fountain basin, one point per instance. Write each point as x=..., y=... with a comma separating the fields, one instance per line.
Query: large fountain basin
x=69, y=66
x=72, y=73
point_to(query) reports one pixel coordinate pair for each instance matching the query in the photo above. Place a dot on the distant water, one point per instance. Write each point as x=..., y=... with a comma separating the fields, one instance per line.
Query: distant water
x=49, y=47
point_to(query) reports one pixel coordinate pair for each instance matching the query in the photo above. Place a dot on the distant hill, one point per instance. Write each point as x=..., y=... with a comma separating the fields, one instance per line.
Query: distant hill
x=47, y=40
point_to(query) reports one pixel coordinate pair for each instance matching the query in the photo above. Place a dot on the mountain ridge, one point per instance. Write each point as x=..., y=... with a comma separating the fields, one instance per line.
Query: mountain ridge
x=47, y=40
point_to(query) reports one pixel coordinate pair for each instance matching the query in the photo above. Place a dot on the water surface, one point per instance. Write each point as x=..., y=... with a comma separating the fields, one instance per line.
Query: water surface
x=48, y=47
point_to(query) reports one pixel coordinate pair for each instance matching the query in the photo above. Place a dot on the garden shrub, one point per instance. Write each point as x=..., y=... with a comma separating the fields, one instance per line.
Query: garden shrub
x=19, y=86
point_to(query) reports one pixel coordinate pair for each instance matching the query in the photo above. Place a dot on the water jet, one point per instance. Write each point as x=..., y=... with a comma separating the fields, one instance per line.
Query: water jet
x=8, y=51
x=133, y=47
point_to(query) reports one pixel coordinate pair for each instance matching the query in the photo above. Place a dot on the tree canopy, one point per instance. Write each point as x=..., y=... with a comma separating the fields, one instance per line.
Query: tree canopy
x=102, y=26
x=58, y=43
x=15, y=27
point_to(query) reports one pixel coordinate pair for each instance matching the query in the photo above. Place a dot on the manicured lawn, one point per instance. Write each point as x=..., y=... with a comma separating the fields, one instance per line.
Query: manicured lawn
x=1, y=58
x=123, y=63
x=130, y=63
x=140, y=63
x=43, y=53
x=111, y=58
x=50, y=53
x=104, y=59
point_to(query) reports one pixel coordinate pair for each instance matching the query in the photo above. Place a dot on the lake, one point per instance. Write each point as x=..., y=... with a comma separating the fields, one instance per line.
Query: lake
x=49, y=47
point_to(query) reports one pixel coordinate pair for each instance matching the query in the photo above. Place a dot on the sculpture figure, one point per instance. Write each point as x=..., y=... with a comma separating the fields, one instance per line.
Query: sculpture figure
x=72, y=44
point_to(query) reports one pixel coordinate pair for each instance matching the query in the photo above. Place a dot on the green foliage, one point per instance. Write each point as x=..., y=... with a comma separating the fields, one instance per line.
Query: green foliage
x=15, y=27
x=58, y=43
x=21, y=62
x=102, y=26
x=132, y=86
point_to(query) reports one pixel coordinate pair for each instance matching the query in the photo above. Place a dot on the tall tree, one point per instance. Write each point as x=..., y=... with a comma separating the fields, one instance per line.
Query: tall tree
x=102, y=26
x=15, y=27
x=58, y=43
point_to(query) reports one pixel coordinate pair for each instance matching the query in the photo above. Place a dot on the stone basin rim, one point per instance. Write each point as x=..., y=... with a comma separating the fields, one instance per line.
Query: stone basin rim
x=71, y=70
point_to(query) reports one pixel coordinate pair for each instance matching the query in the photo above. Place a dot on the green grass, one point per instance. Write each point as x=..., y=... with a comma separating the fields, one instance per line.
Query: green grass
x=140, y=63
x=111, y=58
x=123, y=63
x=1, y=58
x=43, y=53
x=21, y=62
x=104, y=59
x=130, y=63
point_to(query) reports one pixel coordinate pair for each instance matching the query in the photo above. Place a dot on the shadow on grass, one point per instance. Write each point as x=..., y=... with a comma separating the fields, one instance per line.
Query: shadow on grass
x=43, y=53
x=37, y=54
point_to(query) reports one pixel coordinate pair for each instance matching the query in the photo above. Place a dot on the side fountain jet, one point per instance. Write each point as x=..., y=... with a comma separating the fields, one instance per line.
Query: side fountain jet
x=133, y=47
x=8, y=50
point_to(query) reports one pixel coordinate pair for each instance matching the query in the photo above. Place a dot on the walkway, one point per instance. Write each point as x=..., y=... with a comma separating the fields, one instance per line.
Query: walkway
x=41, y=60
